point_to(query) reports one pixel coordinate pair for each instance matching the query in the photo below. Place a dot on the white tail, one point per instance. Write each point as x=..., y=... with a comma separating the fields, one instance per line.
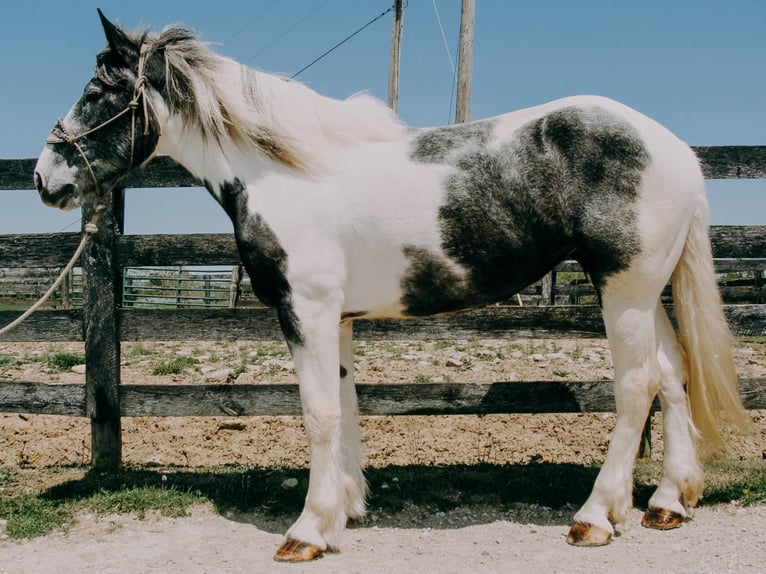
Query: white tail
x=712, y=387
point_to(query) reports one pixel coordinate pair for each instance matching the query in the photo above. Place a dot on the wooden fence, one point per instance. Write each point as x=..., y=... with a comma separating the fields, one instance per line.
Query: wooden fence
x=102, y=324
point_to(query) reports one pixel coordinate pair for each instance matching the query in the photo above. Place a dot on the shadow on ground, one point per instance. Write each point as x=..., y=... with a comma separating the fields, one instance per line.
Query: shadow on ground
x=404, y=496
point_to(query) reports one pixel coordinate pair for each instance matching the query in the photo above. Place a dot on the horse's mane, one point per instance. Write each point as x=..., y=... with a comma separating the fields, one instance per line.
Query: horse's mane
x=284, y=119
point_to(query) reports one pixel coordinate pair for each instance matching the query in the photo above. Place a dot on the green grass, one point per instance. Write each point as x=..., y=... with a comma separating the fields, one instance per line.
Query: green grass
x=172, y=491
x=173, y=366
x=60, y=362
x=9, y=361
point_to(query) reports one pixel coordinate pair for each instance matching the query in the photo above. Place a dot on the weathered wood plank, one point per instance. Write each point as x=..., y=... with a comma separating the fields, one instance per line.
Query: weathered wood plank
x=185, y=249
x=732, y=162
x=205, y=324
x=45, y=325
x=732, y=243
x=531, y=397
x=101, y=280
x=42, y=398
x=17, y=173
x=283, y=399
x=38, y=249
x=161, y=172
x=254, y=324
x=718, y=162
x=738, y=241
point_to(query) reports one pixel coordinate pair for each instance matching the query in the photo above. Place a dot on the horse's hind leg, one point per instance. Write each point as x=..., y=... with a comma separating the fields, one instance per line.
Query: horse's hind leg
x=630, y=327
x=681, y=484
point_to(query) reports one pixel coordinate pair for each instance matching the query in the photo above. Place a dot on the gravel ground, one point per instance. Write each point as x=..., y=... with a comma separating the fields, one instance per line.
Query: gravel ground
x=527, y=538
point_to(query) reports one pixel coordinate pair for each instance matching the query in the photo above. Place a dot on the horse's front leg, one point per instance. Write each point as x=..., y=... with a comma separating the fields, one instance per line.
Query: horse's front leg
x=313, y=337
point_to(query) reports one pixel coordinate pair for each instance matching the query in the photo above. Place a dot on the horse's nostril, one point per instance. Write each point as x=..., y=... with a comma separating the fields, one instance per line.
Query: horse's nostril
x=39, y=183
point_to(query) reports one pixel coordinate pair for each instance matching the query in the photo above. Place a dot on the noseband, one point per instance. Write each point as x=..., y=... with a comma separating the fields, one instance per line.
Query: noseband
x=60, y=135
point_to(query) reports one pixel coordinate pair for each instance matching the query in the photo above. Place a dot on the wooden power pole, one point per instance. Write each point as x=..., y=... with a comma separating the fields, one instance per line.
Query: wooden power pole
x=465, y=62
x=396, y=49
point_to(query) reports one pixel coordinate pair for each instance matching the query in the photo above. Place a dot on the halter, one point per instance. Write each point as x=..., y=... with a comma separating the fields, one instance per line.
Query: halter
x=61, y=135
x=139, y=94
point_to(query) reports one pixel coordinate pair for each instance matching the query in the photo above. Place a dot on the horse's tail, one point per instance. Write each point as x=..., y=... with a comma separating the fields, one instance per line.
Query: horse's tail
x=712, y=386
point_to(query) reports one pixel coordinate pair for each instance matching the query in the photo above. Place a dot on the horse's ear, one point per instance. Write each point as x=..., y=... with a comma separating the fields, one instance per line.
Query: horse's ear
x=119, y=42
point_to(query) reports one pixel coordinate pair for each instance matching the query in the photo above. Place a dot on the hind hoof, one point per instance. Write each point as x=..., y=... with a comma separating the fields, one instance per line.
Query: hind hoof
x=297, y=551
x=582, y=534
x=661, y=519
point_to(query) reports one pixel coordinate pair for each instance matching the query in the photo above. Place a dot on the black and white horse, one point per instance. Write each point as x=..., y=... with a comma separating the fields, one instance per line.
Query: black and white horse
x=341, y=212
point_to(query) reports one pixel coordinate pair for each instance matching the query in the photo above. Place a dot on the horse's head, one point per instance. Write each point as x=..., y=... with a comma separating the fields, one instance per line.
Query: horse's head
x=112, y=128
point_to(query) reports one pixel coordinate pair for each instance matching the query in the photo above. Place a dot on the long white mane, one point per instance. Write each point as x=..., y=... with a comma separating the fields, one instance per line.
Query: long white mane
x=284, y=119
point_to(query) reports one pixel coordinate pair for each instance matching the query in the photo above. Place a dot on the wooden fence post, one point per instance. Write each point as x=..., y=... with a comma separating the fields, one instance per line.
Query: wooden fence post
x=101, y=289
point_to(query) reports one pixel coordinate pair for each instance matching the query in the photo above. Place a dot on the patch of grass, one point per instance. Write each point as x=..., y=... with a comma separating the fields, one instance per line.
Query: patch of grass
x=139, y=350
x=423, y=379
x=31, y=516
x=141, y=499
x=9, y=361
x=60, y=362
x=174, y=366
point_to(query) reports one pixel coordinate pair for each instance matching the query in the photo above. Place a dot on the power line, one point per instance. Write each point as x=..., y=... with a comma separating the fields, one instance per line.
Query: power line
x=251, y=22
x=343, y=41
x=290, y=29
x=451, y=61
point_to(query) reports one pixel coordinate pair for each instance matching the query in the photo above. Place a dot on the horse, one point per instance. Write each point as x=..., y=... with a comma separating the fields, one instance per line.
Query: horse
x=341, y=212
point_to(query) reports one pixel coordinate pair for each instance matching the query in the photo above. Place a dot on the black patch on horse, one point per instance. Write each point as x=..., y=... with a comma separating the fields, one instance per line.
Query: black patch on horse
x=263, y=257
x=565, y=185
x=432, y=284
x=435, y=145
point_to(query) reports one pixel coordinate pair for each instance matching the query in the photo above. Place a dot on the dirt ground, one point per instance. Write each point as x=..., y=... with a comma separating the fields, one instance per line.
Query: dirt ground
x=529, y=539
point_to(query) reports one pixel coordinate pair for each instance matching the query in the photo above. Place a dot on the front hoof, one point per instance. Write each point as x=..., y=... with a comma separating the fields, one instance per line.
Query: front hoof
x=296, y=551
x=661, y=519
x=582, y=534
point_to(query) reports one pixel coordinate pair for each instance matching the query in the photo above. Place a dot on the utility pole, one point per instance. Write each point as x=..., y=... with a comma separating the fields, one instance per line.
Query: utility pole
x=465, y=62
x=396, y=49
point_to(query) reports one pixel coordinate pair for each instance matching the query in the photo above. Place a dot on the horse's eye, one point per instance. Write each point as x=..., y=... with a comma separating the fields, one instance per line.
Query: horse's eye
x=92, y=94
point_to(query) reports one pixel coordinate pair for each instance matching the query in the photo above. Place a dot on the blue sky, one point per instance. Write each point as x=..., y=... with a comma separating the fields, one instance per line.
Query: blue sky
x=697, y=66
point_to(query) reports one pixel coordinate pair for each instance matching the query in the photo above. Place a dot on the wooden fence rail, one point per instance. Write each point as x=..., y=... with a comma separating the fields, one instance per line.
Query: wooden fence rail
x=102, y=324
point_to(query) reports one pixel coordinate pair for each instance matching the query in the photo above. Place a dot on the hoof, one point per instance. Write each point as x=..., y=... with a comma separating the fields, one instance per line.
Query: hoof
x=661, y=519
x=297, y=551
x=581, y=534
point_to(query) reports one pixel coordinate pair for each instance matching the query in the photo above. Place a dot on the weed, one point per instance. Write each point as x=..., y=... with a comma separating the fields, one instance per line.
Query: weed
x=139, y=350
x=238, y=370
x=60, y=362
x=9, y=361
x=174, y=366
x=422, y=378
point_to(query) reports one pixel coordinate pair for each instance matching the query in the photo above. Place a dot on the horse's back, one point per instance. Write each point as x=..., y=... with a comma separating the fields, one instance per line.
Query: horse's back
x=576, y=178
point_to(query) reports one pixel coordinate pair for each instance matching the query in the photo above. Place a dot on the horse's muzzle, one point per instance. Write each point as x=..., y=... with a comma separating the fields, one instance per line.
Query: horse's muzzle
x=62, y=198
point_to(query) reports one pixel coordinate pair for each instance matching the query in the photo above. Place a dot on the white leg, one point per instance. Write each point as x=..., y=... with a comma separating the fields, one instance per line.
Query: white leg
x=681, y=484
x=356, y=487
x=631, y=333
x=316, y=358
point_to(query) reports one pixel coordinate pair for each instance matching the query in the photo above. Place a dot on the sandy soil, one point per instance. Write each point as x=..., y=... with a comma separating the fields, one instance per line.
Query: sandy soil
x=718, y=539
x=484, y=539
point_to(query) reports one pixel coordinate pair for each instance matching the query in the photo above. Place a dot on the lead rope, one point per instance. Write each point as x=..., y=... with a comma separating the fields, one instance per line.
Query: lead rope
x=90, y=229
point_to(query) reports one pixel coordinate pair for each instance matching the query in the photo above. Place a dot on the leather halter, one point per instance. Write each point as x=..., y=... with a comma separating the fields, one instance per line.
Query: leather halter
x=60, y=135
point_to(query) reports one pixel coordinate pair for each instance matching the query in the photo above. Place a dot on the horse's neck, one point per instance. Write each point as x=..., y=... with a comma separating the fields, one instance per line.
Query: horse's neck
x=207, y=159
x=298, y=128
